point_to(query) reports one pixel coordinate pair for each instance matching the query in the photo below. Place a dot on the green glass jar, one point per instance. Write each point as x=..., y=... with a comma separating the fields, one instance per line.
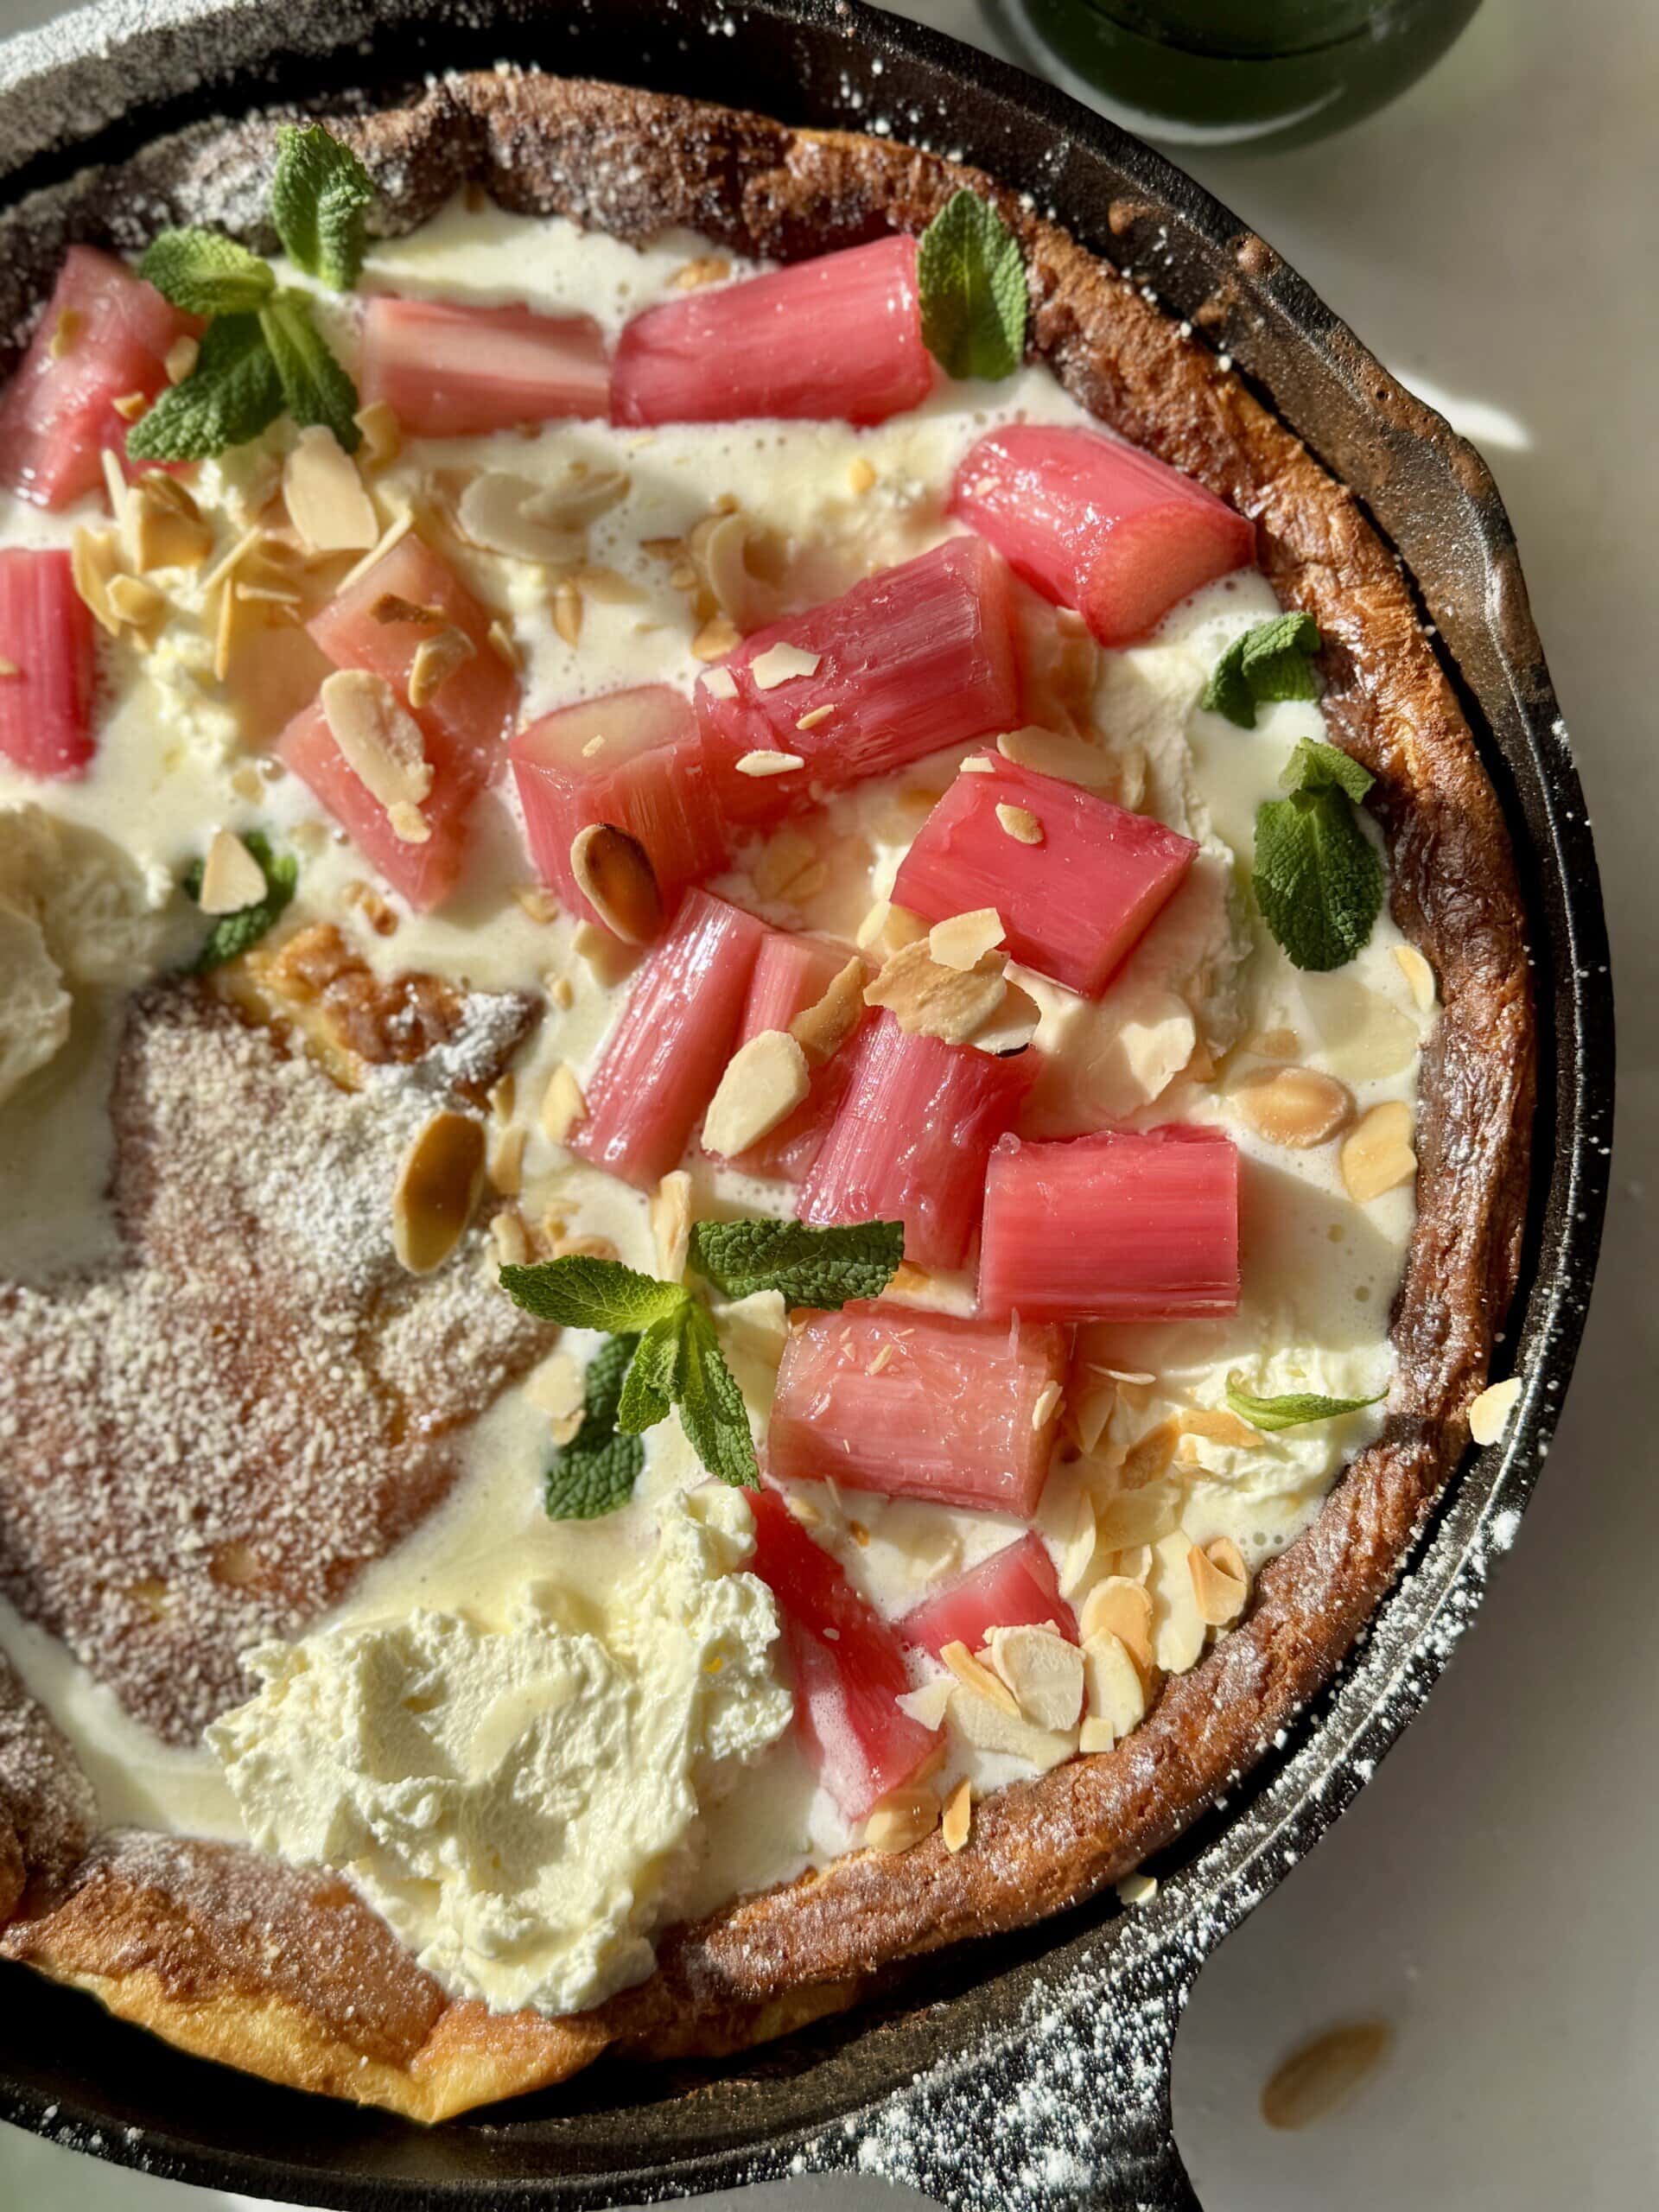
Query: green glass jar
x=1266, y=72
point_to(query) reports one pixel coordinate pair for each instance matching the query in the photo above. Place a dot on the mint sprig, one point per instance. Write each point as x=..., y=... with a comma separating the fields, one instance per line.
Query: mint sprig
x=821, y=1268
x=971, y=275
x=318, y=195
x=203, y=272
x=596, y=1471
x=232, y=393
x=580, y=1293
x=1293, y=1409
x=1273, y=661
x=712, y=1412
x=315, y=389
x=1318, y=880
x=232, y=934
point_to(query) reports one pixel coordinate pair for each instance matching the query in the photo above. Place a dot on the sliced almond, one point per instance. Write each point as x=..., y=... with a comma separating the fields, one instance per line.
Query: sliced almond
x=764, y=1081
x=1220, y=1594
x=769, y=764
x=1012, y=1027
x=509, y=1237
x=580, y=496
x=781, y=664
x=1045, y=1672
x=555, y=1388
x=1419, y=977
x=718, y=637
x=719, y=682
x=824, y=1027
x=1131, y=1517
x=1138, y=1889
x=1077, y=1562
x=437, y=659
x=1489, y=1414
x=973, y=1674
x=1296, y=1106
x=66, y=334
x=1378, y=1156
x=963, y=941
x=566, y=609
x=958, y=1817
x=93, y=558
x=505, y=1164
x=670, y=1224
x=901, y=1819
x=724, y=554
x=392, y=608
x=1094, y=1734
x=383, y=745
x=181, y=356
x=817, y=714
x=383, y=434
x=1072, y=758
x=1178, y=1626
x=536, y=901
x=707, y=269
x=137, y=605
x=231, y=877
x=1115, y=1685
x=860, y=476
x=504, y=644
x=1047, y=1405
x=393, y=535
x=784, y=861
x=615, y=874
x=926, y=1704
x=1324, y=2073
x=888, y=929
x=929, y=1001
x=608, y=958
x=978, y=763
x=500, y=513
x=988, y=1725
x=325, y=497
x=1021, y=823
x=1089, y=1408
x=1280, y=1044
x=438, y=1190
x=165, y=524
x=562, y=1104
x=1221, y=1425
x=1122, y=1608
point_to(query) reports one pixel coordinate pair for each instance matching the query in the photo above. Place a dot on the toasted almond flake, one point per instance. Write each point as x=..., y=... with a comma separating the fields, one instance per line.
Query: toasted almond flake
x=1012, y=1028
x=224, y=629
x=1094, y=1734
x=1221, y=1425
x=719, y=684
x=929, y=1001
x=231, y=559
x=1489, y=1414
x=507, y=1163
x=1220, y=1596
x=1073, y=759
x=566, y=611
x=1177, y=1627
x=882, y=1361
x=769, y=764
x=987, y=1724
x=1281, y=1044
x=93, y=557
x=1077, y=1562
x=580, y=496
x=707, y=269
x=958, y=1817
x=383, y=434
x=562, y=991
x=65, y=333
x=615, y=874
x=181, y=356
x=437, y=1191
x=901, y=1819
x=1044, y=1670
x=928, y=1704
x=963, y=941
x=669, y=1212
x=391, y=606
x=1047, y=1405
x=683, y=576
x=538, y=901
x=608, y=958
x=383, y=744
x=781, y=861
x=724, y=552
x=817, y=714
x=1088, y=1409
x=504, y=646
x=435, y=661
x=973, y=1674
x=1419, y=977
x=502, y=1097
x=978, y=763
x=1324, y=2073
x=1115, y=1682
x=1116, y=1607
x=131, y=405
x=1295, y=1107
x=563, y=1103
x=282, y=597
x=231, y=877
x=325, y=496
x=781, y=664
x=808, y=884
x=163, y=525
x=1150, y=1454
x=555, y=1388
x=888, y=929
x=509, y=1237
x=823, y=1028
x=138, y=605
x=562, y=1246
x=718, y=637
x=860, y=476
x=764, y=1081
x=810, y=1517
x=1138, y=1889
x=503, y=514
x=9, y=668
x=1021, y=823
x=395, y=534
x=1378, y=1156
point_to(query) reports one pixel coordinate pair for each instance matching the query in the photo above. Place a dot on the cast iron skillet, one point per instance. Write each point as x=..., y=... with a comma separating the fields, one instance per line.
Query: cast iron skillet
x=1034, y=2069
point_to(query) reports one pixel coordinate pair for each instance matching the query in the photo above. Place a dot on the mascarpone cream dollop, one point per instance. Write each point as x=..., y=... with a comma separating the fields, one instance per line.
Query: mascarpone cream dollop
x=522, y=1802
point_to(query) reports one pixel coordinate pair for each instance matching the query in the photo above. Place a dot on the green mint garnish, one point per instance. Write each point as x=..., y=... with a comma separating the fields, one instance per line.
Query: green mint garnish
x=580, y=1293
x=203, y=272
x=1273, y=661
x=653, y=1376
x=1290, y=1412
x=1319, y=881
x=262, y=353
x=971, y=275
x=821, y=1268
x=712, y=1412
x=232, y=394
x=232, y=934
x=596, y=1471
x=318, y=198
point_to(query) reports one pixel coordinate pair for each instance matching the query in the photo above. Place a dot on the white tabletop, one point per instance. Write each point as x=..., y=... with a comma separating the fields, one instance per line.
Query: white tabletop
x=1495, y=238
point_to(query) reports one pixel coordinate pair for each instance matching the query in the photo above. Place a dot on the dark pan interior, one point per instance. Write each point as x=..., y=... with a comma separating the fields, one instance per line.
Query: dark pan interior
x=1088, y=2002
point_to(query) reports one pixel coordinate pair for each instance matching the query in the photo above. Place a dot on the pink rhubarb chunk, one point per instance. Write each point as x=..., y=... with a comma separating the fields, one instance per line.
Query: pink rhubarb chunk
x=1130, y=1225
x=1073, y=906
x=837, y=338
x=670, y=1045
x=424, y=874
x=1016, y=1588
x=848, y=1665
x=791, y=973
x=888, y=1398
x=453, y=371
x=47, y=635
x=1099, y=525
x=912, y=1139
x=631, y=758
x=914, y=658
x=105, y=334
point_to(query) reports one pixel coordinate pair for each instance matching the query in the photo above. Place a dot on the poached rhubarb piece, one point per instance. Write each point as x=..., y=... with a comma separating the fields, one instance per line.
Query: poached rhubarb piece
x=1075, y=904
x=916, y=658
x=453, y=371
x=886, y=1397
x=630, y=758
x=912, y=1137
x=848, y=1665
x=424, y=875
x=1130, y=1225
x=1099, y=525
x=1016, y=1588
x=105, y=335
x=46, y=636
x=670, y=1045
x=838, y=338
x=791, y=972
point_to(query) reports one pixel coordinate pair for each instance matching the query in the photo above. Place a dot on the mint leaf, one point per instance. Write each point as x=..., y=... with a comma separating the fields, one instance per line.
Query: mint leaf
x=318, y=196
x=648, y=1389
x=581, y=1292
x=971, y=275
x=1316, y=767
x=1274, y=660
x=712, y=1412
x=1291, y=1411
x=821, y=1268
x=1319, y=881
x=232, y=394
x=315, y=389
x=203, y=272
x=596, y=1471
x=232, y=934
